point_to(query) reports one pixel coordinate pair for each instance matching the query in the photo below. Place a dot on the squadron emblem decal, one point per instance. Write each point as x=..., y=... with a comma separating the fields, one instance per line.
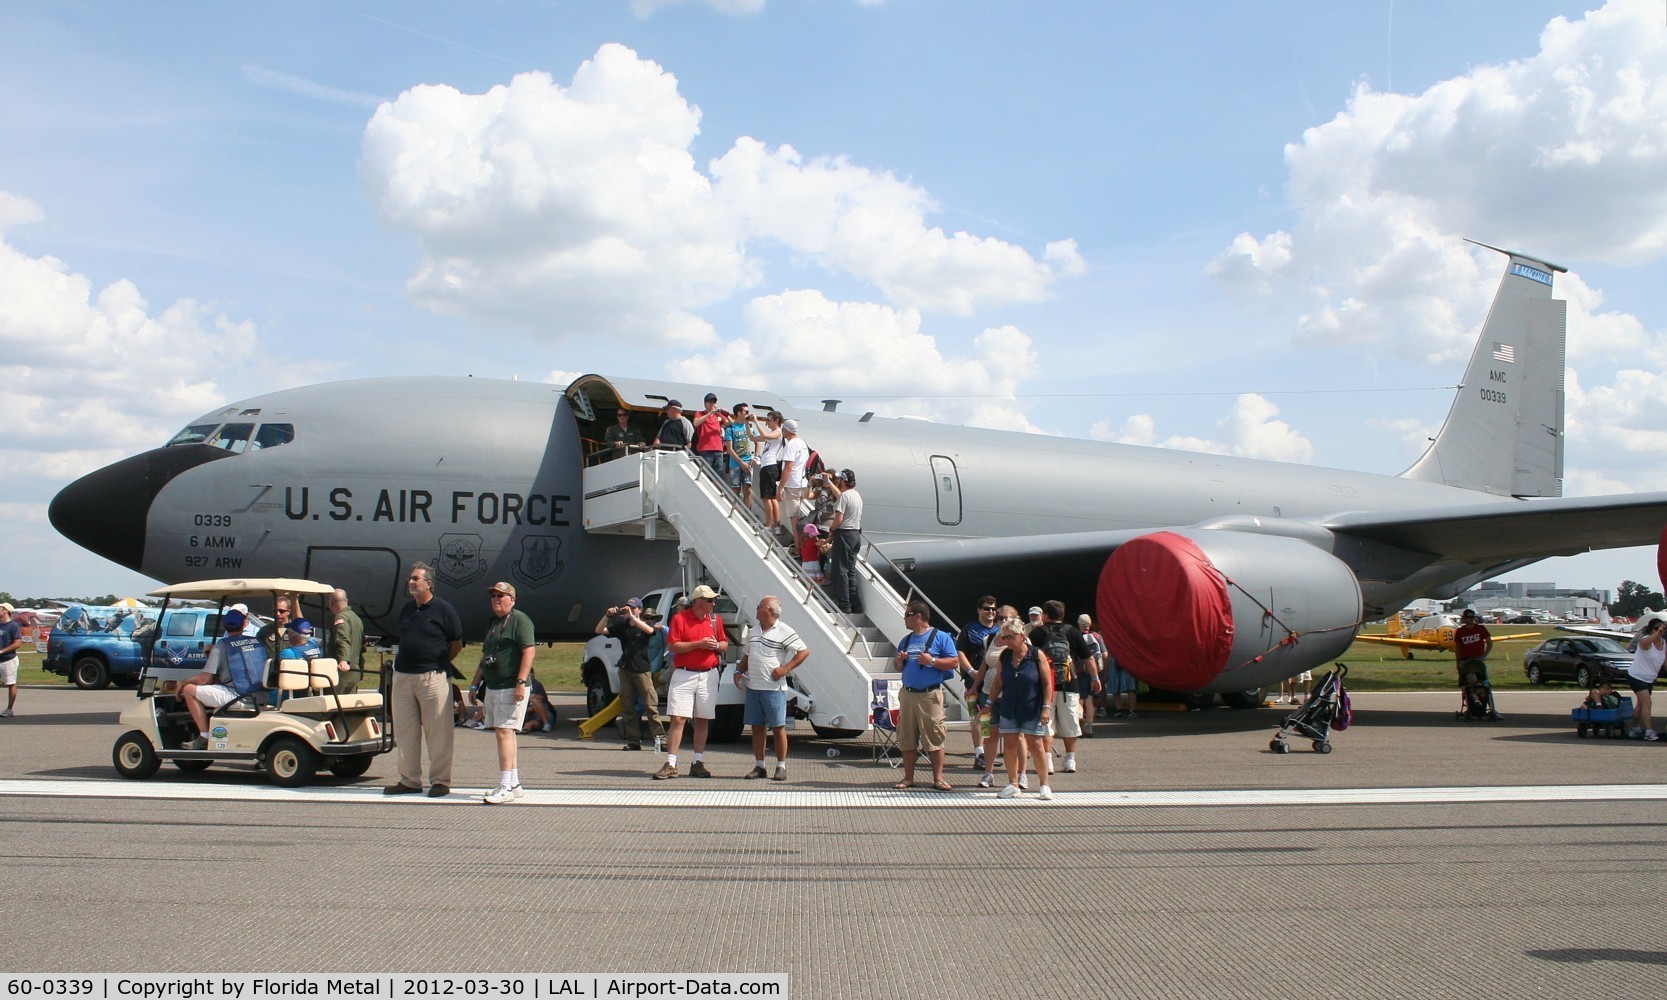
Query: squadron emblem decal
x=540, y=560
x=459, y=563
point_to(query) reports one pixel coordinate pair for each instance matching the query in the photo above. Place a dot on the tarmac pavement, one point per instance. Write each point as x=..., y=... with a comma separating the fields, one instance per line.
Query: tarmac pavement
x=1424, y=857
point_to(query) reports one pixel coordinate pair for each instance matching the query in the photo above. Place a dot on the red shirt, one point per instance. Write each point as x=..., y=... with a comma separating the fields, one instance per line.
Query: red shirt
x=709, y=434
x=1470, y=642
x=686, y=626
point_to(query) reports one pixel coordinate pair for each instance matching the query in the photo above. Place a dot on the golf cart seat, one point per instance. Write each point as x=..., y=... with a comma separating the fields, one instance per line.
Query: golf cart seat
x=317, y=675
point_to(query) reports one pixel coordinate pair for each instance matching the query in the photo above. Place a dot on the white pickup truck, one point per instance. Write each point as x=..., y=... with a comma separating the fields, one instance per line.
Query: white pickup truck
x=600, y=664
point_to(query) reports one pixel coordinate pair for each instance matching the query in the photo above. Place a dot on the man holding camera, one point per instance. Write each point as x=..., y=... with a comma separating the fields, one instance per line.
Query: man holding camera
x=506, y=663
x=625, y=623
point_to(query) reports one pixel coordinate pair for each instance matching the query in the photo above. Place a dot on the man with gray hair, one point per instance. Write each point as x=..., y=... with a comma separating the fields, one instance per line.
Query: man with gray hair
x=346, y=642
x=773, y=651
x=430, y=637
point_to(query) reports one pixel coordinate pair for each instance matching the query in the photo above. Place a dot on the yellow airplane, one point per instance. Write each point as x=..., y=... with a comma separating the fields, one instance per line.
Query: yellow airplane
x=1428, y=632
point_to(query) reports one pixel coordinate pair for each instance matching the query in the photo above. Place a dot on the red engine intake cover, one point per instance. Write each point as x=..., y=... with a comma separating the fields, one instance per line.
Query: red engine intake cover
x=1165, y=611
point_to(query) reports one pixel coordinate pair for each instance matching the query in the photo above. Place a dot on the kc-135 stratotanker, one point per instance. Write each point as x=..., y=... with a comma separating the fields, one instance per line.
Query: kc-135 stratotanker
x=1207, y=573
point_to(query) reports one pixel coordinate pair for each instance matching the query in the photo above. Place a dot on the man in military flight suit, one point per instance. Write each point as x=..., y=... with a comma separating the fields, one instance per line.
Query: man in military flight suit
x=346, y=642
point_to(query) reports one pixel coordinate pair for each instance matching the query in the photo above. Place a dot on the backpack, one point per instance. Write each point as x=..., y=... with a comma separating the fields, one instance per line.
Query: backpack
x=1344, y=716
x=814, y=465
x=1058, y=648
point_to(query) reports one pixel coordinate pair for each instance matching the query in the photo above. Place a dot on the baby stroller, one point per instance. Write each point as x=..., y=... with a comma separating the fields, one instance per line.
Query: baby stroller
x=1327, y=709
x=1475, y=693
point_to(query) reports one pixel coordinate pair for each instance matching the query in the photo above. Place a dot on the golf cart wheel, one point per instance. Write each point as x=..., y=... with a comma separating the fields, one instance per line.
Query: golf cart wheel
x=291, y=762
x=1321, y=746
x=193, y=765
x=351, y=767
x=134, y=757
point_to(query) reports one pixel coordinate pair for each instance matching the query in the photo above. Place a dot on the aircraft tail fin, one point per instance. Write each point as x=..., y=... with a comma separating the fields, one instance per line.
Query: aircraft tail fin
x=1504, y=433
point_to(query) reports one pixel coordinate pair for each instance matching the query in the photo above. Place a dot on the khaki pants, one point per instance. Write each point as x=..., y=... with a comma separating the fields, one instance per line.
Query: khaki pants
x=422, y=709
x=631, y=685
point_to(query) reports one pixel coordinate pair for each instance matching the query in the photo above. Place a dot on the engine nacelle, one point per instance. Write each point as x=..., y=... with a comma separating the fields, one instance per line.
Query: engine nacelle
x=1214, y=611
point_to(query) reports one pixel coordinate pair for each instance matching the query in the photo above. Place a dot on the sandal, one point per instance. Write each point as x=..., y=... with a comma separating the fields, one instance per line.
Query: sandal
x=943, y=786
x=903, y=786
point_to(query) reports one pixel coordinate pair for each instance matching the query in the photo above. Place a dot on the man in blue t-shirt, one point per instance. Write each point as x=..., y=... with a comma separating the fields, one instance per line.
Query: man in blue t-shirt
x=11, y=637
x=927, y=659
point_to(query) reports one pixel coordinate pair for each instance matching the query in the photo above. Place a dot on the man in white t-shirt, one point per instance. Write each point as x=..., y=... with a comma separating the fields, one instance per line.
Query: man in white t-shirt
x=795, y=455
x=773, y=652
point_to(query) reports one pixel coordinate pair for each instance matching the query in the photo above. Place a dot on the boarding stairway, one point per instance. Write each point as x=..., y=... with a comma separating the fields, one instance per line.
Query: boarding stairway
x=664, y=494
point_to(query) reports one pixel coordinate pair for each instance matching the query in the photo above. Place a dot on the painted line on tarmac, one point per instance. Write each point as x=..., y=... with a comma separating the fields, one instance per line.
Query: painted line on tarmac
x=785, y=796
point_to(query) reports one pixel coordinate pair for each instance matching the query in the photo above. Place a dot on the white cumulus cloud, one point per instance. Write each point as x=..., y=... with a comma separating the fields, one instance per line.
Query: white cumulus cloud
x=875, y=356
x=580, y=210
x=1250, y=430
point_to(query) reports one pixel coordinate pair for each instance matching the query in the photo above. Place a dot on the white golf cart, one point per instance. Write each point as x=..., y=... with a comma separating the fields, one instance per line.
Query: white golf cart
x=302, y=722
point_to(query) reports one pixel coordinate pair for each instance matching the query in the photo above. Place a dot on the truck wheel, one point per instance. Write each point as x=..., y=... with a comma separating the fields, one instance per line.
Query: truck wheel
x=134, y=757
x=351, y=767
x=89, y=673
x=1249, y=698
x=597, y=694
x=291, y=762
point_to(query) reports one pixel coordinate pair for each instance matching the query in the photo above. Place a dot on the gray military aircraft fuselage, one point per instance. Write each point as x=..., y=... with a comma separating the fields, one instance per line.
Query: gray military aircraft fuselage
x=1242, y=572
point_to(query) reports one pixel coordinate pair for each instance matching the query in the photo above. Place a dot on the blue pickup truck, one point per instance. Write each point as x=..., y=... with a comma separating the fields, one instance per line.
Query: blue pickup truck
x=94, y=646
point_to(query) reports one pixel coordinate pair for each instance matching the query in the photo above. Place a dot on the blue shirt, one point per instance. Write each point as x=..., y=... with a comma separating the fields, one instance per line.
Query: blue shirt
x=9, y=633
x=936, y=645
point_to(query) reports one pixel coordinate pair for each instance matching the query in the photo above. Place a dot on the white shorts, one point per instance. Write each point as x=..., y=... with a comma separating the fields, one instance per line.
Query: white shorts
x=1067, y=715
x=8, y=671
x=692, y=695
x=503, y=711
x=215, y=695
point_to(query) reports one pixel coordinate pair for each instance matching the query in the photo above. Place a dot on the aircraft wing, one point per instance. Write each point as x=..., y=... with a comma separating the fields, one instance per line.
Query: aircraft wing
x=1402, y=642
x=1490, y=533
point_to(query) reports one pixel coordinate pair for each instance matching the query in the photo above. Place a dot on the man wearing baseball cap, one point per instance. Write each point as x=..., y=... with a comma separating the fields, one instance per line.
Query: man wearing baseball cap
x=236, y=666
x=847, y=540
x=506, y=663
x=11, y=637
x=697, y=642
x=628, y=625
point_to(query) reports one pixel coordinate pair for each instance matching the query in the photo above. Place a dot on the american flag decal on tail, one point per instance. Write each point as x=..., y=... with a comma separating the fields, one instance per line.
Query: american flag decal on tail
x=1504, y=352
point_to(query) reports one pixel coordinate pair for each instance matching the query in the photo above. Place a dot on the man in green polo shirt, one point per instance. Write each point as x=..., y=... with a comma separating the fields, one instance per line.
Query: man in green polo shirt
x=506, y=663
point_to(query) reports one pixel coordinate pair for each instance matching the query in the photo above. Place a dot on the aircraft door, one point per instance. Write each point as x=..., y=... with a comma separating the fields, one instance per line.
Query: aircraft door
x=947, y=483
x=371, y=577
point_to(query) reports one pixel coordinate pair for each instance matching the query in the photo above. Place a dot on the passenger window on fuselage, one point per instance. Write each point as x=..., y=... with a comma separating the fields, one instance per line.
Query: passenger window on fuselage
x=273, y=435
x=232, y=437
x=194, y=434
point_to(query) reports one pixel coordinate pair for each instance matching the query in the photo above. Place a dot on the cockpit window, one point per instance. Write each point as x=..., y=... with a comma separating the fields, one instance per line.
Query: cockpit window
x=194, y=434
x=231, y=437
x=273, y=435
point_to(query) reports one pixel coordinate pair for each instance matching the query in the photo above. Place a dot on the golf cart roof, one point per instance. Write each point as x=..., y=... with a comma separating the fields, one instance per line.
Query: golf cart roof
x=213, y=590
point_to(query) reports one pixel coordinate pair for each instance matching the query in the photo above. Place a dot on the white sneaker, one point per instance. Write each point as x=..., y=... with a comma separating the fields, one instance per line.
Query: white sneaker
x=502, y=794
x=1044, y=793
x=1071, y=764
x=5, y=713
x=1024, y=782
x=1009, y=792
x=1635, y=733
x=1650, y=736
x=988, y=781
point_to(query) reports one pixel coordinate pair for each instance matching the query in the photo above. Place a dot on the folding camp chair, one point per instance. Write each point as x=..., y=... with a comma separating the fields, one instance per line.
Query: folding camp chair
x=882, y=718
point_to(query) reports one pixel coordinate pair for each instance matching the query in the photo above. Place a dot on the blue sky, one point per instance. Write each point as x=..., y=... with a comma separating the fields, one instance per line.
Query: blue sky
x=1228, y=227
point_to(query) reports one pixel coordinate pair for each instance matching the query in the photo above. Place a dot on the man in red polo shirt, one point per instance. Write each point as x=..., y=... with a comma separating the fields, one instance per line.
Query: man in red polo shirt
x=696, y=641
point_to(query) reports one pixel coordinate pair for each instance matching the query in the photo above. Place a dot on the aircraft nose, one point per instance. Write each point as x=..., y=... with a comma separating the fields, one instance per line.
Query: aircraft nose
x=106, y=511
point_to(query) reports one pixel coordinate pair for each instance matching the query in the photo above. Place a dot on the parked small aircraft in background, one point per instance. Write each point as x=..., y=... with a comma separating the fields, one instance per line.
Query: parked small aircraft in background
x=1428, y=632
x=1208, y=573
